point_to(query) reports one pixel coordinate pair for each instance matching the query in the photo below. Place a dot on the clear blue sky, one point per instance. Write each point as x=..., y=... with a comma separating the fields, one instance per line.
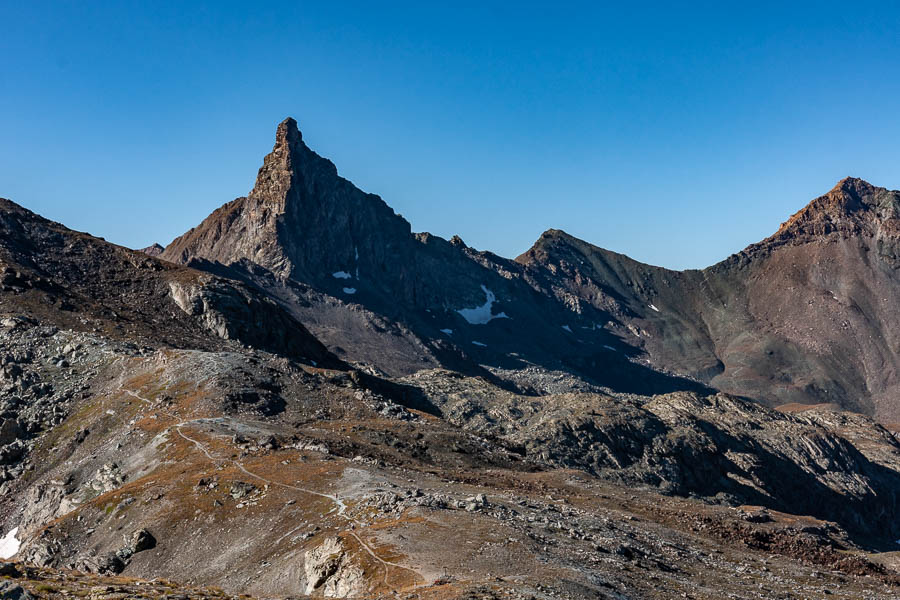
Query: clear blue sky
x=676, y=133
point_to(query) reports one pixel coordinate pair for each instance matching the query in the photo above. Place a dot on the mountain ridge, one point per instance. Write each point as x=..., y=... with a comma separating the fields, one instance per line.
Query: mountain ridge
x=584, y=308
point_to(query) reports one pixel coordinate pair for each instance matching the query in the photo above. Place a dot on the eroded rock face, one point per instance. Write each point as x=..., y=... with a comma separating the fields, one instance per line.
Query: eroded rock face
x=328, y=568
x=43, y=503
x=232, y=313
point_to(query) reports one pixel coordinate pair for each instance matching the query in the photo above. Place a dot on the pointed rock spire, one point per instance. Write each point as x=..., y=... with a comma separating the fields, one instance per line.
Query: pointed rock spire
x=301, y=220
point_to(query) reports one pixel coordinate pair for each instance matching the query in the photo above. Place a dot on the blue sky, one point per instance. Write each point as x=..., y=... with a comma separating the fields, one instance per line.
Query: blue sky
x=675, y=134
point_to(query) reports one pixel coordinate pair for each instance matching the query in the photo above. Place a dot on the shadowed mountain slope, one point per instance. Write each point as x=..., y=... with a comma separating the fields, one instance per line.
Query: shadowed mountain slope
x=376, y=293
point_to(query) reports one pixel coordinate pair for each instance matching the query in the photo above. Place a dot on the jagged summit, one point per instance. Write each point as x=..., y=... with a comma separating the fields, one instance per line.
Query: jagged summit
x=300, y=220
x=555, y=234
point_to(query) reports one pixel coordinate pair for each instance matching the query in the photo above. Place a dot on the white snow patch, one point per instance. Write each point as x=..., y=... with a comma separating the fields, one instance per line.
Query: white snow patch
x=447, y=331
x=567, y=328
x=610, y=348
x=654, y=308
x=480, y=344
x=341, y=275
x=349, y=290
x=9, y=545
x=480, y=315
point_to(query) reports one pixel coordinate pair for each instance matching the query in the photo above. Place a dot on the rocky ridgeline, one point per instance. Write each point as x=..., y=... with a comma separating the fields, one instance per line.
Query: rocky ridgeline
x=802, y=316
x=820, y=462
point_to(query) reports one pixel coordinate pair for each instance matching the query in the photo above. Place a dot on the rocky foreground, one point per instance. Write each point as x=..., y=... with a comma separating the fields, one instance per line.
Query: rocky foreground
x=258, y=475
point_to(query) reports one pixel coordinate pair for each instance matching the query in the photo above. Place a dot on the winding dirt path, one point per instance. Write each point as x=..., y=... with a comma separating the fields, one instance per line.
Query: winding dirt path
x=339, y=503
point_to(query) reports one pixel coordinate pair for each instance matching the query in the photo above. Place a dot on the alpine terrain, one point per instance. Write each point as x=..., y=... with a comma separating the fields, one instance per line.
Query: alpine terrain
x=301, y=397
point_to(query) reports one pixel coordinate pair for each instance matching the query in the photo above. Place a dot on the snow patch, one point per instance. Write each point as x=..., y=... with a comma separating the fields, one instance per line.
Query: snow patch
x=654, y=308
x=9, y=545
x=447, y=331
x=567, y=328
x=349, y=290
x=481, y=315
x=480, y=344
x=341, y=275
x=610, y=348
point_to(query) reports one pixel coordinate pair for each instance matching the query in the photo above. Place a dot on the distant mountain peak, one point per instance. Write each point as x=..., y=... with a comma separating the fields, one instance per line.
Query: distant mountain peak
x=152, y=250
x=853, y=205
x=848, y=196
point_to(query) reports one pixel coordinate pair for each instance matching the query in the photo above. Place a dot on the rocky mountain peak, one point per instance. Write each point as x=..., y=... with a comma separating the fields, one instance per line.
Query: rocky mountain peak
x=554, y=234
x=853, y=186
x=853, y=206
x=152, y=250
x=301, y=220
x=280, y=166
x=848, y=196
x=553, y=244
